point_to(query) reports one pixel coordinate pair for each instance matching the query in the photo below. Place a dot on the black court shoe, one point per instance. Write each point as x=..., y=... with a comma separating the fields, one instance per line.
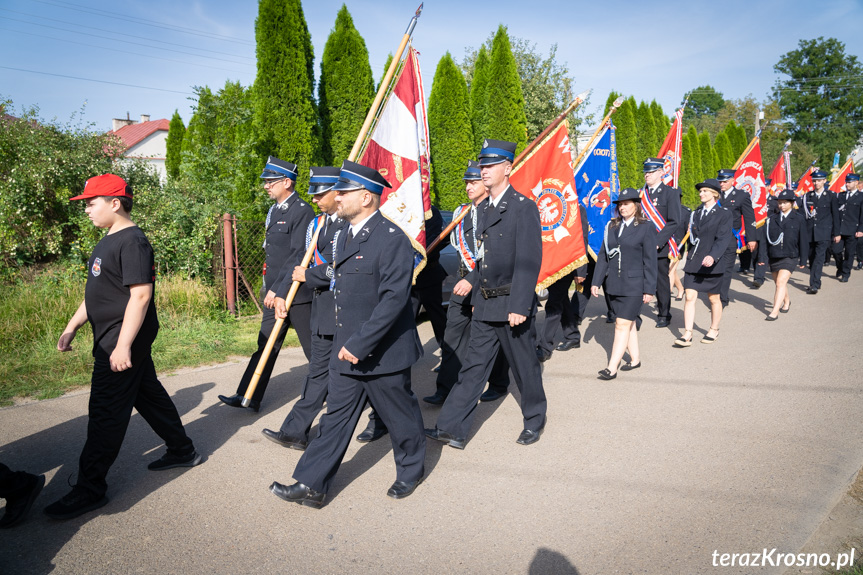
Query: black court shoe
x=605, y=374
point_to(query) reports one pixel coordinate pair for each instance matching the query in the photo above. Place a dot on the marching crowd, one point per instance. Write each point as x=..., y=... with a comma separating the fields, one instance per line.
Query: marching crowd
x=355, y=309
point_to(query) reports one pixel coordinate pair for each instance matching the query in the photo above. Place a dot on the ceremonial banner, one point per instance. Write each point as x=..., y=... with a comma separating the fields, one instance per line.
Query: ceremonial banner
x=838, y=183
x=545, y=176
x=805, y=184
x=398, y=149
x=671, y=151
x=597, y=185
x=749, y=177
x=781, y=174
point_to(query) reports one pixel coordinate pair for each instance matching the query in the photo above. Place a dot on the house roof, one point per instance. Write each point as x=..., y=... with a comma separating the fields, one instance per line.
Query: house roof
x=136, y=133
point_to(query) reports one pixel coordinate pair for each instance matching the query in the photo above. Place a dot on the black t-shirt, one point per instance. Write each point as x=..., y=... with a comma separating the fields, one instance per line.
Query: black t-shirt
x=118, y=261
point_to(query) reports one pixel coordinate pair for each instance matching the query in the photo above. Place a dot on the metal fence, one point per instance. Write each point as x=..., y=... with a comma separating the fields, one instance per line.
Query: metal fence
x=240, y=263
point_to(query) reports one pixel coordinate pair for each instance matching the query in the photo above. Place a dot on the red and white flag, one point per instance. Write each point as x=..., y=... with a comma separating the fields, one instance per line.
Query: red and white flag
x=838, y=183
x=780, y=177
x=672, y=151
x=749, y=177
x=805, y=184
x=398, y=149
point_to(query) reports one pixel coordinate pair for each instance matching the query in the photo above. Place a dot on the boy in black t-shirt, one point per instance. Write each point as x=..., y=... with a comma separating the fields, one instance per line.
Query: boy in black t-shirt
x=118, y=303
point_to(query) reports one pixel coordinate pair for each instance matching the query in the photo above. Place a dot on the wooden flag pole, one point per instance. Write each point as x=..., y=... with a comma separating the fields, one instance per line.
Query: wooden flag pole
x=617, y=103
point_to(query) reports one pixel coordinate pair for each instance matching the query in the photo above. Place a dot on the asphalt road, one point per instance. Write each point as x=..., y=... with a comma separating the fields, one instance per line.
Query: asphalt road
x=743, y=445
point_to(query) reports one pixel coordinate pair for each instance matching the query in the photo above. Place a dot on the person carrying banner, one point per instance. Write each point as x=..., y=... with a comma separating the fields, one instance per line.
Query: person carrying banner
x=710, y=232
x=505, y=302
x=850, y=206
x=822, y=226
x=294, y=431
x=374, y=346
x=739, y=204
x=626, y=268
x=787, y=246
x=859, y=240
x=284, y=244
x=660, y=204
x=456, y=339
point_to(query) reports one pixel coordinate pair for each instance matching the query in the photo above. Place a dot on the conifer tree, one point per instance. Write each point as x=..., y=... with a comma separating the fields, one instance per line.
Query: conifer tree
x=479, y=98
x=346, y=89
x=697, y=164
x=647, y=147
x=716, y=162
x=663, y=124
x=690, y=166
x=628, y=163
x=608, y=103
x=504, y=117
x=722, y=145
x=174, y=145
x=452, y=141
x=708, y=170
x=286, y=120
x=738, y=143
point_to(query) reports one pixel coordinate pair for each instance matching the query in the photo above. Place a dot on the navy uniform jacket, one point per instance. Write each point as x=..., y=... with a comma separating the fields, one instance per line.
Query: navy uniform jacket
x=824, y=224
x=685, y=213
x=512, y=241
x=433, y=273
x=323, y=321
x=667, y=202
x=739, y=204
x=463, y=269
x=585, y=233
x=286, y=245
x=709, y=236
x=794, y=243
x=633, y=270
x=850, y=213
x=374, y=316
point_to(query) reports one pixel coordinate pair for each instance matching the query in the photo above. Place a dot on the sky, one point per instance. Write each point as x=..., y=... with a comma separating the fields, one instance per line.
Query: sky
x=147, y=56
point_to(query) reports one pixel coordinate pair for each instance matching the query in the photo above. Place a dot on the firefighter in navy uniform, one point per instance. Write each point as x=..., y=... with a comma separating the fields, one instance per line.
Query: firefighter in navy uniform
x=739, y=203
x=504, y=298
x=375, y=344
x=667, y=202
x=822, y=226
x=759, y=256
x=850, y=206
x=286, y=225
x=294, y=432
x=460, y=310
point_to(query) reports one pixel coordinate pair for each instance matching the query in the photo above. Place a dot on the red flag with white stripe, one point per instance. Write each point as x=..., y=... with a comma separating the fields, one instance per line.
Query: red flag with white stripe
x=672, y=151
x=838, y=183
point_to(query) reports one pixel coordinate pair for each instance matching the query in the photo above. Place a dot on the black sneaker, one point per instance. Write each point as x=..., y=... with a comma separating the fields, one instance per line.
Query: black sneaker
x=19, y=504
x=170, y=461
x=75, y=503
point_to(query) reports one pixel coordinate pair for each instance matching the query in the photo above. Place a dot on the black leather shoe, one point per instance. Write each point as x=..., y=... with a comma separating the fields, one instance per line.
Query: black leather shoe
x=757, y=284
x=529, y=436
x=606, y=374
x=285, y=440
x=445, y=437
x=75, y=503
x=18, y=503
x=811, y=291
x=298, y=493
x=437, y=399
x=568, y=345
x=401, y=489
x=662, y=322
x=235, y=400
x=609, y=318
x=491, y=395
x=628, y=366
x=542, y=355
x=859, y=266
x=370, y=434
x=844, y=279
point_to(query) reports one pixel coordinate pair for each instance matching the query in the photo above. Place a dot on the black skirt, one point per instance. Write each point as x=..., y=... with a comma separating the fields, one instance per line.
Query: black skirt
x=626, y=306
x=703, y=283
x=777, y=264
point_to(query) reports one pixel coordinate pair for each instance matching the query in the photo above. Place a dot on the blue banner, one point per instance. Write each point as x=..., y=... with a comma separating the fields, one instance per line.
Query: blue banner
x=597, y=185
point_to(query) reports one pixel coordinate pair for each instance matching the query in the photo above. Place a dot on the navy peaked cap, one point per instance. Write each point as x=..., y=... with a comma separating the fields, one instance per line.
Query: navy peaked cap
x=725, y=175
x=653, y=164
x=472, y=173
x=277, y=169
x=852, y=178
x=496, y=151
x=819, y=175
x=322, y=179
x=354, y=176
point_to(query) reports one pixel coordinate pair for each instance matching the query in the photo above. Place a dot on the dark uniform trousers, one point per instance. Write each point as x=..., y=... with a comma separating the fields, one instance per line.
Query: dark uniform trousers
x=739, y=203
x=299, y=421
x=667, y=202
x=845, y=251
x=821, y=228
x=427, y=291
x=112, y=397
x=851, y=221
x=559, y=313
x=12, y=483
x=817, y=254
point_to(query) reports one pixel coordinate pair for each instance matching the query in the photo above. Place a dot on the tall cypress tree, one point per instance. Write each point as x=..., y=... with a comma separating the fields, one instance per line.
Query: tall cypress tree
x=696, y=163
x=609, y=102
x=346, y=89
x=479, y=98
x=286, y=119
x=690, y=166
x=716, y=162
x=738, y=143
x=663, y=124
x=504, y=116
x=384, y=73
x=452, y=141
x=708, y=169
x=722, y=145
x=628, y=163
x=646, y=132
x=174, y=145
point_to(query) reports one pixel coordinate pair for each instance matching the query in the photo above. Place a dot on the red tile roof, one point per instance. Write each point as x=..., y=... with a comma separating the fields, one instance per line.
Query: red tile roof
x=135, y=133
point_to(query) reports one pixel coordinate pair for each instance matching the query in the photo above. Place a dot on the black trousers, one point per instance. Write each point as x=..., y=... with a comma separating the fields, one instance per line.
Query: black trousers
x=299, y=421
x=430, y=296
x=454, y=350
x=731, y=259
x=860, y=251
x=396, y=405
x=519, y=348
x=299, y=316
x=663, y=288
x=745, y=260
x=112, y=397
x=559, y=315
x=11, y=482
x=845, y=251
x=817, y=251
x=760, y=256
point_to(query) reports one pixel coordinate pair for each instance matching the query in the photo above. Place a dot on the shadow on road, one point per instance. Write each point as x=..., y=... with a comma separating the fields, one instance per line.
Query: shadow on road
x=548, y=561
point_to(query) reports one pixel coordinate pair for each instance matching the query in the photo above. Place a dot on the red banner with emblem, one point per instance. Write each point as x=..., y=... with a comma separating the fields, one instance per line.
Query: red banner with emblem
x=671, y=151
x=749, y=177
x=838, y=183
x=546, y=177
x=805, y=183
x=780, y=176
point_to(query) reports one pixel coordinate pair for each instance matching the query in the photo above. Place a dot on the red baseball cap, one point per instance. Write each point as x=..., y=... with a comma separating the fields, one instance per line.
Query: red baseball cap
x=105, y=185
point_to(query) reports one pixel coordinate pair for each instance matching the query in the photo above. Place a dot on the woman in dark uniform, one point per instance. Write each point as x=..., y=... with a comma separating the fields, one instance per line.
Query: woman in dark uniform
x=709, y=235
x=787, y=245
x=626, y=267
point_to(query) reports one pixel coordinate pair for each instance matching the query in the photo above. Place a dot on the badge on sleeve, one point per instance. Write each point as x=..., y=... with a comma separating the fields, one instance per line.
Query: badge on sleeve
x=97, y=267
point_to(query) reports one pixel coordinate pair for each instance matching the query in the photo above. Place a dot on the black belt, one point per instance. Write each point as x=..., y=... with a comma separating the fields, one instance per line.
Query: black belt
x=495, y=292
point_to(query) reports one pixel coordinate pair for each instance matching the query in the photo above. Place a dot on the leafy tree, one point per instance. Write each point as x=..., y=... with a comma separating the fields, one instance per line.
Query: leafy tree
x=452, y=142
x=703, y=101
x=346, y=89
x=628, y=162
x=505, y=117
x=725, y=154
x=708, y=168
x=646, y=132
x=663, y=124
x=479, y=98
x=286, y=120
x=821, y=97
x=174, y=145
